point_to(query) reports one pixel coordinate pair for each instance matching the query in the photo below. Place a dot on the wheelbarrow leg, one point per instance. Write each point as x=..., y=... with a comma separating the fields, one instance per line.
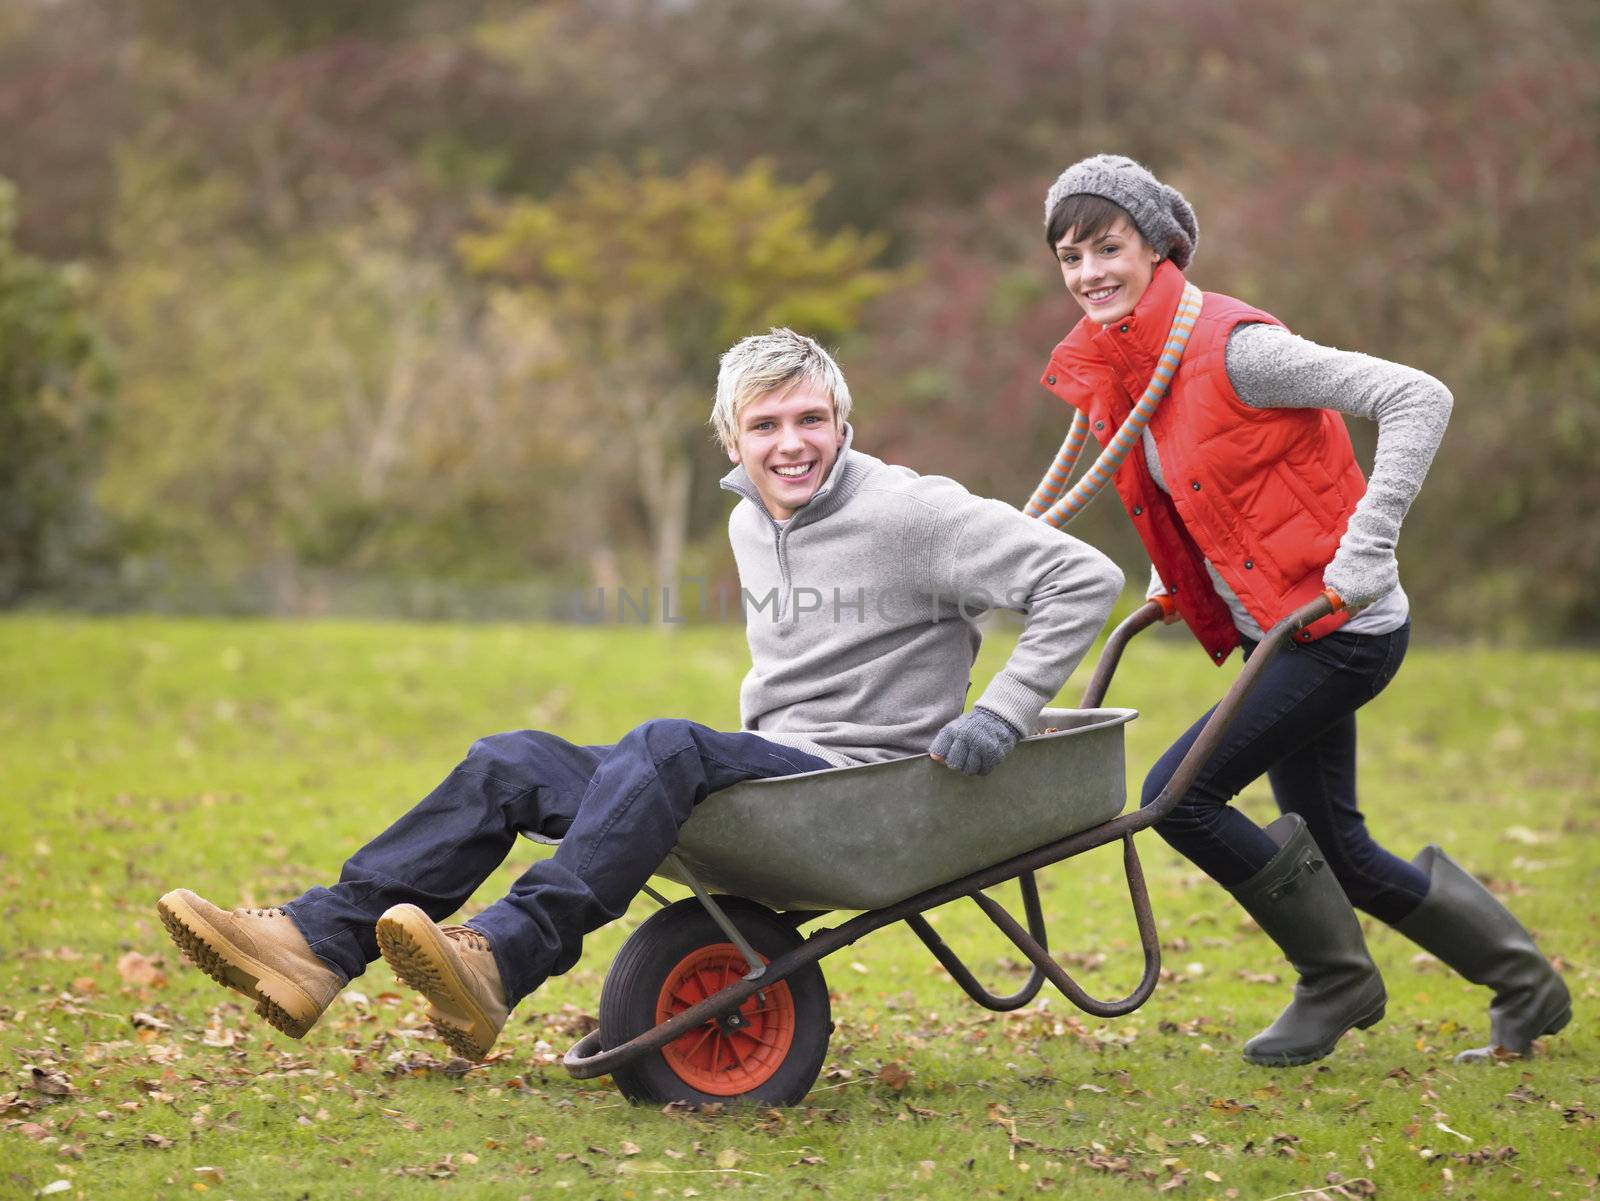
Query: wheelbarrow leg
x=1148, y=938
x=964, y=977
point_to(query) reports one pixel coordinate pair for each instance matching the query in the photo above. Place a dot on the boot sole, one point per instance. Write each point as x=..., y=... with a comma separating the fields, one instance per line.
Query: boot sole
x=1289, y=1059
x=278, y=1000
x=1490, y=1053
x=412, y=947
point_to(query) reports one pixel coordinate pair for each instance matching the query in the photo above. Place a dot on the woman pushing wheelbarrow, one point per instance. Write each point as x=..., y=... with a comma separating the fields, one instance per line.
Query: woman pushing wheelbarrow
x=1222, y=433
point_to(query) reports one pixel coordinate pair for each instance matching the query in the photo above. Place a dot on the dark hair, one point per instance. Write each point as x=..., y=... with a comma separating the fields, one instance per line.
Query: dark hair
x=1086, y=214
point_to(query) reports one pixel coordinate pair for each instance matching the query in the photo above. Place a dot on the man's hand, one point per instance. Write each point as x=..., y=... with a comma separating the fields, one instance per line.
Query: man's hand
x=974, y=742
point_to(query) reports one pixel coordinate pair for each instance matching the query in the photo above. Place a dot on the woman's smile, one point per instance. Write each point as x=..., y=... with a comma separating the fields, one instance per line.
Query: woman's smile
x=1108, y=272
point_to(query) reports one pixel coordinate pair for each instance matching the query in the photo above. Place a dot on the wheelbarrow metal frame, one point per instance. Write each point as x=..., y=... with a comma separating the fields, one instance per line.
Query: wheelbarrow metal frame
x=586, y=1060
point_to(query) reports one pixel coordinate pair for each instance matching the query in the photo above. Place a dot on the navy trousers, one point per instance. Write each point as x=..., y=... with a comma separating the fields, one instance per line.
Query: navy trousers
x=1298, y=728
x=617, y=810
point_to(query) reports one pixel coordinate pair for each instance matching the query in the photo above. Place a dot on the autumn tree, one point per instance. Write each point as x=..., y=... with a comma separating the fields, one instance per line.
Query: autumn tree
x=647, y=278
x=54, y=380
x=339, y=404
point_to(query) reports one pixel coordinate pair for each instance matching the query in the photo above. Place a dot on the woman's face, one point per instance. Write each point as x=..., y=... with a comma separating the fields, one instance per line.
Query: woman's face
x=1108, y=273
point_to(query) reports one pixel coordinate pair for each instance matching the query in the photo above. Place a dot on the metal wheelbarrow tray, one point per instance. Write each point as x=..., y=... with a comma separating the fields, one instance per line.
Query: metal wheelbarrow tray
x=866, y=837
x=720, y=998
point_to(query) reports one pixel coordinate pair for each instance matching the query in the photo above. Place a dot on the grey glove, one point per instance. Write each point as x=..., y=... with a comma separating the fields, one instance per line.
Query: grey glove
x=974, y=742
x=1363, y=570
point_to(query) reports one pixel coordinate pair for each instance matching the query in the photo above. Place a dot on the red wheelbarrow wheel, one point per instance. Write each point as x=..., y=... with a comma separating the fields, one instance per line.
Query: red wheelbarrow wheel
x=771, y=1053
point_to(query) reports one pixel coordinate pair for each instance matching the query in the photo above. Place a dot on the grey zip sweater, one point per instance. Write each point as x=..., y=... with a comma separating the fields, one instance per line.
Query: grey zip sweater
x=860, y=609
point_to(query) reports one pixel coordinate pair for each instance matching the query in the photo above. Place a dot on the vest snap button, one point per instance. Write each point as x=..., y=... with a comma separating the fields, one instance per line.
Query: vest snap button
x=1050, y=379
x=1248, y=564
x=1195, y=485
x=1099, y=425
x=1137, y=509
x=1124, y=329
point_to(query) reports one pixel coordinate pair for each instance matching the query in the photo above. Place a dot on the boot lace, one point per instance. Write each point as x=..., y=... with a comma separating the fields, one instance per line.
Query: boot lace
x=466, y=935
x=272, y=912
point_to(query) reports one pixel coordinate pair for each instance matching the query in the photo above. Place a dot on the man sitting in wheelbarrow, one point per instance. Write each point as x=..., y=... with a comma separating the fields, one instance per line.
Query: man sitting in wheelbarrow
x=863, y=581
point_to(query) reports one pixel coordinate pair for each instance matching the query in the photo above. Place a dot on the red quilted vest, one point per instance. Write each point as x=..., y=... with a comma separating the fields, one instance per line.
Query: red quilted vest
x=1264, y=494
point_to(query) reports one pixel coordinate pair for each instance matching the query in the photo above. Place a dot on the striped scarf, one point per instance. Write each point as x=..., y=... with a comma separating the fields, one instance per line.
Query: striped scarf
x=1047, y=503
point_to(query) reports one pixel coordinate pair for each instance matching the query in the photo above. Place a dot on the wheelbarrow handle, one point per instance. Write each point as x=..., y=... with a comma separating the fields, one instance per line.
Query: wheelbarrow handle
x=1211, y=734
x=1143, y=617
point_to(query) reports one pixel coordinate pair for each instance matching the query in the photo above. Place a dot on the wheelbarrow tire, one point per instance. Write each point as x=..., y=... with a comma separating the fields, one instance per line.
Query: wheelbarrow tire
x=678, y=957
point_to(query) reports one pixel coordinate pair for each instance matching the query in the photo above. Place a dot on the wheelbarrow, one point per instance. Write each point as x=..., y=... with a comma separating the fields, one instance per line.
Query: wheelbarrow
x=719, y=997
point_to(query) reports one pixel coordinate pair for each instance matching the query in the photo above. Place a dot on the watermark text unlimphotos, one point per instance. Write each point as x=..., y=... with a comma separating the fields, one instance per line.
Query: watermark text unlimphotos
x=692, y=601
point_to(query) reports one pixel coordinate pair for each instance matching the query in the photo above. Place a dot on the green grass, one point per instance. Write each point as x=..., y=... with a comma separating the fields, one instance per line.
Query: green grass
x=245, y=759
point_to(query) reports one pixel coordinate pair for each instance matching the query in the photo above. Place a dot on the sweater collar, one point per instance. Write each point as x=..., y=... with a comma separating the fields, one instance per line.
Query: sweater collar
x=1129, y=349
x=844, y=479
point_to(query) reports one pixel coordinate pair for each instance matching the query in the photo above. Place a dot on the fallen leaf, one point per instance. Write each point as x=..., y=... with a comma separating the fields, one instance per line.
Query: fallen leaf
x=16, y=1105
x=628, y=1148
x=51, y=1083
x=214, y=1175
x=728, y=1158
x=1525, y=836
x=895, y=1075
x=157, y=1140
x=135, y=968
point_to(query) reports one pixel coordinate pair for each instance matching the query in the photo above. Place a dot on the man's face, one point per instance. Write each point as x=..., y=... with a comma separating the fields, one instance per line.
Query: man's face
x=787, y=442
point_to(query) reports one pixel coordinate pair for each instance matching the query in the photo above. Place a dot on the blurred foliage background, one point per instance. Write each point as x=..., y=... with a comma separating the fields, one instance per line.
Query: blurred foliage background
x=413, y=308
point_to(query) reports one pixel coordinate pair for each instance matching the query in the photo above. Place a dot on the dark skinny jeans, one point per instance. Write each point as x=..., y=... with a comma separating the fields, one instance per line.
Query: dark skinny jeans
x=1298, y=727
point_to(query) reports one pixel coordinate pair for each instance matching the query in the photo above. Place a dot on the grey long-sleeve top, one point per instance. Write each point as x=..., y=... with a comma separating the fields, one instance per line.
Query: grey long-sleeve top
x=861, y=609
x=1271, y=368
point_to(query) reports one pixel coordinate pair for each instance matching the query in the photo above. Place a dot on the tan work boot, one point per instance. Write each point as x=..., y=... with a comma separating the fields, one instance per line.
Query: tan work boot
x=258, y=952
x=454, y=968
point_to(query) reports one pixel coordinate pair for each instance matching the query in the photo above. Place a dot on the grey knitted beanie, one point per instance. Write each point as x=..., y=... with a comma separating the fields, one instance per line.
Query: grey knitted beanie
x=1160, y=214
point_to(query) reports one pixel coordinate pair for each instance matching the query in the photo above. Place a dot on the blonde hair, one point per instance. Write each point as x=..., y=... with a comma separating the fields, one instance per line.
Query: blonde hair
x=773, y=362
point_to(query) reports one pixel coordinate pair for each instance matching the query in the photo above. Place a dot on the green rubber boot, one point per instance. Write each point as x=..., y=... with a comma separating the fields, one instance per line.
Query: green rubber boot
x=1462, y=923
x=1300, y=905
